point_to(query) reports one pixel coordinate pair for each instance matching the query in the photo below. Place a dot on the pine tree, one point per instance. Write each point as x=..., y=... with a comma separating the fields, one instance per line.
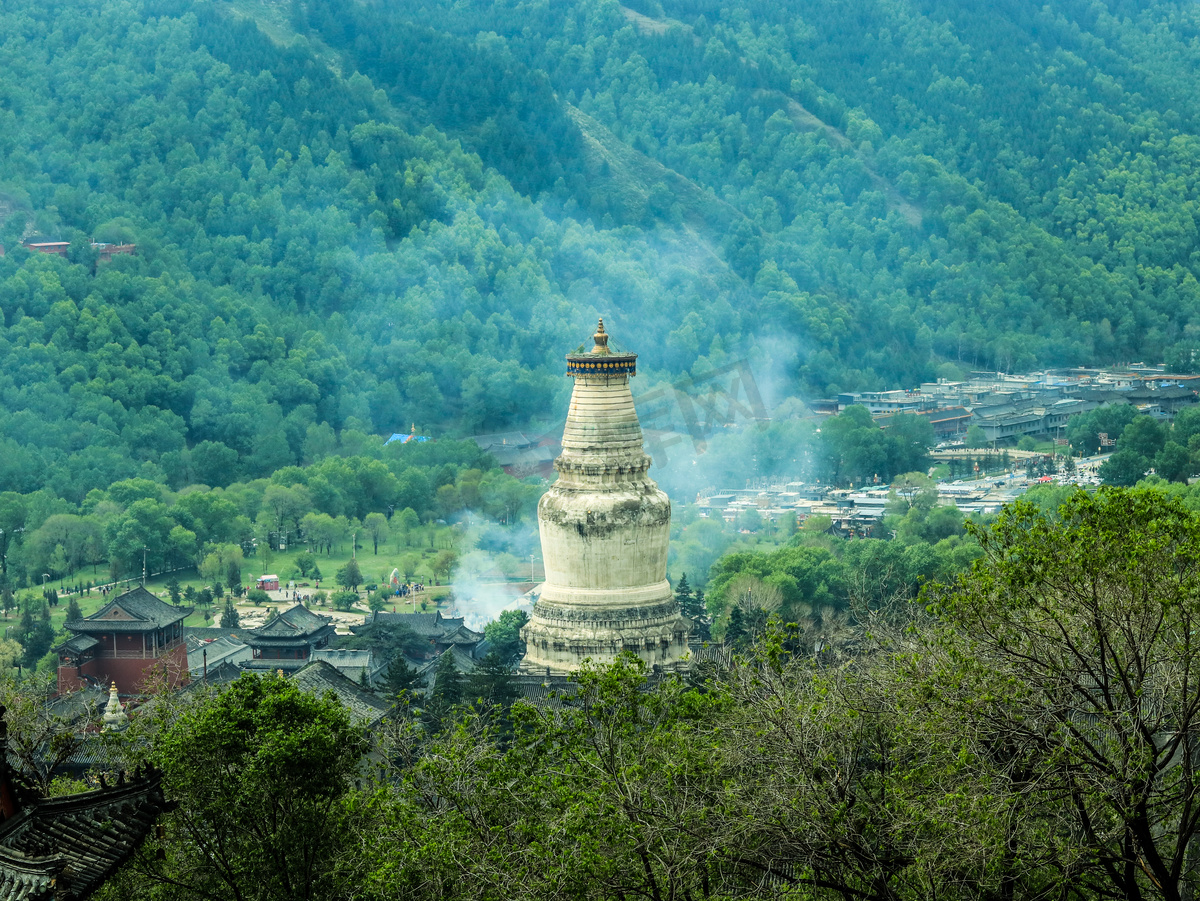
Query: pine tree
x=446, y=695
x=173, y=590
x=401, y=677
x=701, y=622
x=229, y=616
x=447, y=682
x=683, y=594
x=350, y=576
x=73, y=611
x=735, y=632
x=491, y=682
x=233, y=577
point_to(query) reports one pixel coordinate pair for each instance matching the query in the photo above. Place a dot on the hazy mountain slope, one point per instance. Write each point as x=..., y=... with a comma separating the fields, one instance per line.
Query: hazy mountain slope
x=370, y=216
x=1012, y=130
x=306, y=259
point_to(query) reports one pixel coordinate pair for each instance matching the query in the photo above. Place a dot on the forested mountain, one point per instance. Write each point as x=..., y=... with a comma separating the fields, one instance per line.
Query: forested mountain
x=364, y=216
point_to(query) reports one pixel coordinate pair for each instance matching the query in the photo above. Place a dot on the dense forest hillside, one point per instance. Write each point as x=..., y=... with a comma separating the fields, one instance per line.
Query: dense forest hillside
x=368, y=216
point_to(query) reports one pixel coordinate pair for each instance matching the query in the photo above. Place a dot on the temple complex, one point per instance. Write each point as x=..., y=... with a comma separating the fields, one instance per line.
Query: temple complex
x=604, y=528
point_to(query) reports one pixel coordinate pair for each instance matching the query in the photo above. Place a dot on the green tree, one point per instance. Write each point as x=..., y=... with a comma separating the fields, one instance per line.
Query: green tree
x=1088, y=619
x=683, y=591
x=504, y=635
x=735, y=631
x=1143, y=436
x=976, y=437
x=377, y=525
x=233, y=575
x=343, y=600
x=401, y=677
x=404, y=523
x=447, y=692
x=34, y=633
x=491, y=684
x=1173, y=462
x=444, y=563
x=274, y=827
x=305, y=561
x=229, y=615
x=911, y=490
x=350, y=576
x=1125, y=468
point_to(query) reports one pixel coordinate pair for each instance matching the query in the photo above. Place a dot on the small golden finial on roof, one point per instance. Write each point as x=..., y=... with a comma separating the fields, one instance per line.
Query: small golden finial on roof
x=601, y=339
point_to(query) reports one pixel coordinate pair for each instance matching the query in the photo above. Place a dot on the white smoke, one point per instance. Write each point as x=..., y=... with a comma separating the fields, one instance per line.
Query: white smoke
x=494, y=569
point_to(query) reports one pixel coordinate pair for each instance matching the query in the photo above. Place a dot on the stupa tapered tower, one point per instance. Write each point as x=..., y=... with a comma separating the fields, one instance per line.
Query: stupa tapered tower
x=604, y=528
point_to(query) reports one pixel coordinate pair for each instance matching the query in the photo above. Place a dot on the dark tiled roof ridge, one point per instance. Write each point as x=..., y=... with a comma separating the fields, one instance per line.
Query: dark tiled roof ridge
x=148, y=611
x=88, y=835
x=322, y=674
x=297, y=618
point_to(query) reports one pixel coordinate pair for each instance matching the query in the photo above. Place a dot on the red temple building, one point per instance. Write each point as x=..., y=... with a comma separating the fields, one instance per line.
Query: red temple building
x=122, y=642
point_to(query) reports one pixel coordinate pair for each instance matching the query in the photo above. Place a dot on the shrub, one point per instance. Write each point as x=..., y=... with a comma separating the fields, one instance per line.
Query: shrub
x=344, y=600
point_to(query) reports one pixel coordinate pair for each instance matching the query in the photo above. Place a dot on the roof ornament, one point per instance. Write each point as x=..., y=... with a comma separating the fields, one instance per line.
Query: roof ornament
x=601, y=339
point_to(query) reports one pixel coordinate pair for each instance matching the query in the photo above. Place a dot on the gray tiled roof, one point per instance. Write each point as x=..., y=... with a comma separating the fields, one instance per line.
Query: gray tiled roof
x=426, y=625
x=77, y=644
x=137, y=610
x=64, y=848
x=319, y=677
x=423, y=624
x=208, y=632
x=295, y=622
x=463, y=662
x=214, y=652
x=344, y=656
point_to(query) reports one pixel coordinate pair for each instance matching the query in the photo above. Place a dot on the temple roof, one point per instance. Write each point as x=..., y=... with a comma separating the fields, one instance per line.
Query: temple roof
x=319, y=677
x=214, y=651
x=463, y=635
x=76, y=645
x=64, y=848
x=426, y=625
x=297, y=622
x=137, y=610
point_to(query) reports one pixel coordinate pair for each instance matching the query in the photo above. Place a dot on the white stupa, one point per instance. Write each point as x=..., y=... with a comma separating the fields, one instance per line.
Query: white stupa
x=115, y=718
x=604, y=528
